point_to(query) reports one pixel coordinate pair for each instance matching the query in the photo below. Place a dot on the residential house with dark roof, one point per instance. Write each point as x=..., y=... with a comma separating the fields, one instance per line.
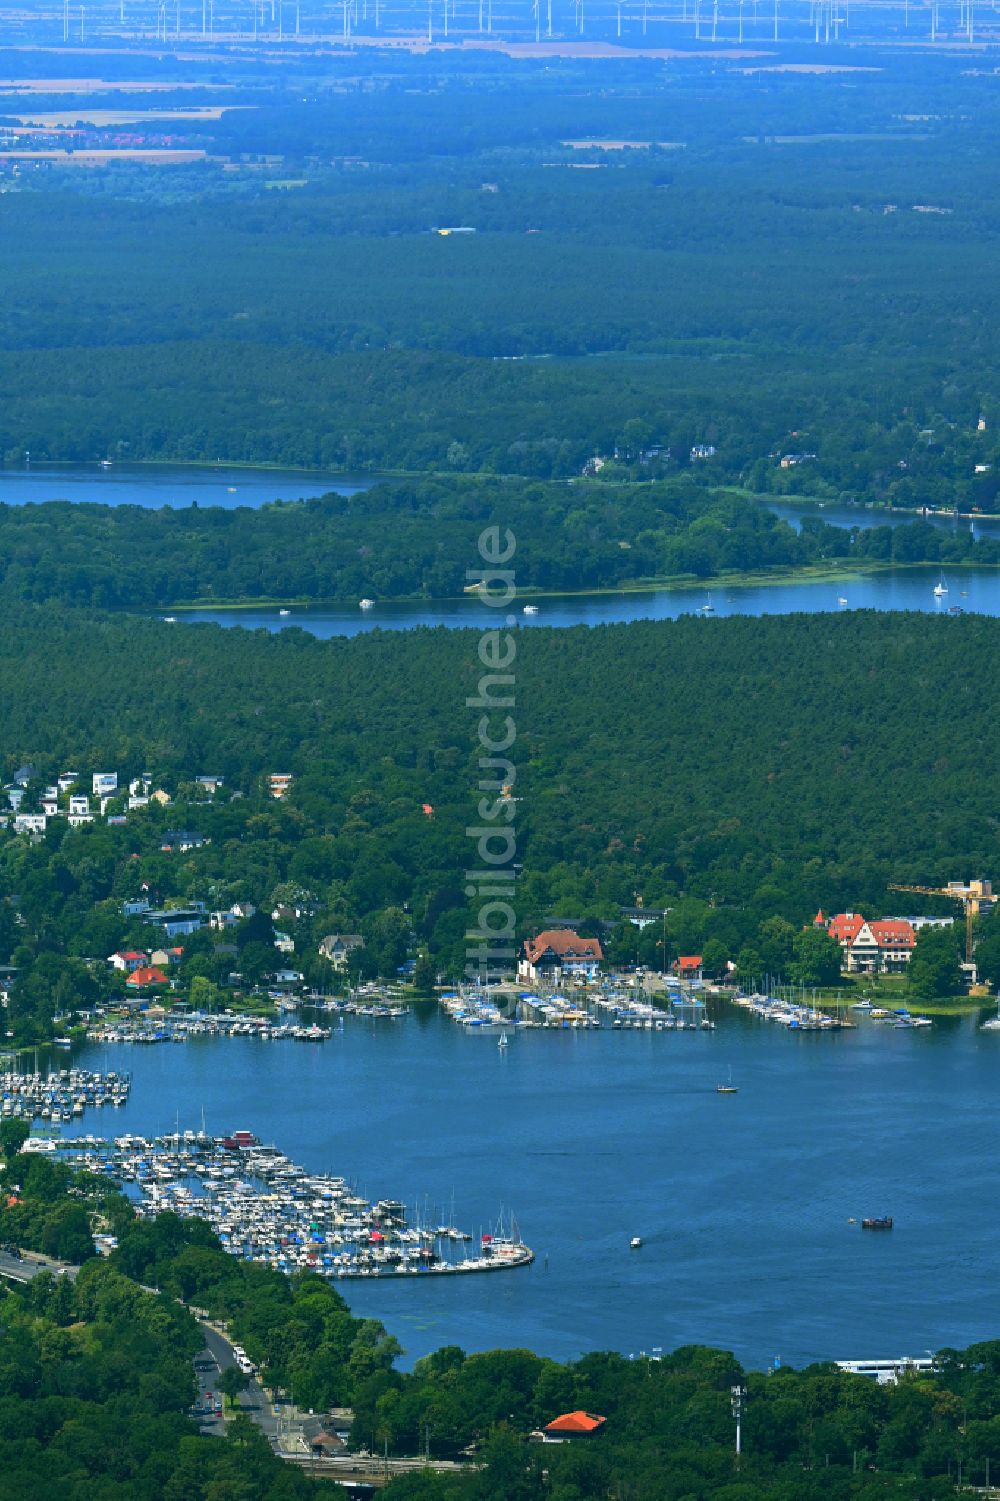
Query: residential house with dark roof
x=337, y=947
x=181, y=840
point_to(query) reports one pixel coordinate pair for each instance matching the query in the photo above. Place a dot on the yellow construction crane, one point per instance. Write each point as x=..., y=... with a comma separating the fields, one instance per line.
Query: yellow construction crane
x=975, y=897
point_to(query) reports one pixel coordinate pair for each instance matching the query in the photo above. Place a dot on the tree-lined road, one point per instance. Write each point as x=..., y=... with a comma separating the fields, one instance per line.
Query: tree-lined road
x=284, y=1434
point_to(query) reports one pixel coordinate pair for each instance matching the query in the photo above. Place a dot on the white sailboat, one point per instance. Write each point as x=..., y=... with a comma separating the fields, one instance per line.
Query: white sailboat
x=941, y=587
x=728, y=1087
x=708, y=607
x=993, y=1023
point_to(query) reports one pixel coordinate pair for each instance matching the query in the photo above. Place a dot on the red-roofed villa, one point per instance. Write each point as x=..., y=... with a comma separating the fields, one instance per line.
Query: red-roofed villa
x=883, y=946
x=128, y=959
x=559, y=952
x=140, y=978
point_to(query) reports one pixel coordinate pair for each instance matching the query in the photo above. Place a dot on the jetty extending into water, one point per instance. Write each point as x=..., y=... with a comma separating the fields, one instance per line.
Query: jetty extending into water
x=606, y=1006
x=800, y=1017
x=266, y=1208
x=157, y=1025
x=171, y=1028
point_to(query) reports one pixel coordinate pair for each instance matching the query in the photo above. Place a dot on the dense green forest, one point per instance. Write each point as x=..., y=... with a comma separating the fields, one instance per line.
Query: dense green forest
x=96, y=1384
x=738, y=771
x=790, y=262
x=417, y=539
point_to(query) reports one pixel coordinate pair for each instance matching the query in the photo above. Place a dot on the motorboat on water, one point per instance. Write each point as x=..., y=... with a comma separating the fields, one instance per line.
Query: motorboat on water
x=530, y=610
x=365, y=604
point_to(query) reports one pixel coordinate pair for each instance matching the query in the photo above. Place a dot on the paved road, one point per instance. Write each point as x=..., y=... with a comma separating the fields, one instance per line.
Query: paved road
x=284, y=1432
x=22, y=1269
x=253, y=1402
x=209, y=1362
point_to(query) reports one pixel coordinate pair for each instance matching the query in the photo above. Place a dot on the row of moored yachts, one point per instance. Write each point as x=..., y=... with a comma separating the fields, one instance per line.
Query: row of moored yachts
x=60, y=1096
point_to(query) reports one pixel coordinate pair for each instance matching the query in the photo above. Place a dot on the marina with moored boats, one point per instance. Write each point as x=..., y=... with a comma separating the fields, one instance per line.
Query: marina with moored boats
x=265, y=1207
x=61, y=1095
x=423, y=1109
x=607, y=1005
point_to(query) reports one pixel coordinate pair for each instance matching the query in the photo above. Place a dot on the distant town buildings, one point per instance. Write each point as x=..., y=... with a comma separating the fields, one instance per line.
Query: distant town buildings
x=107, y=798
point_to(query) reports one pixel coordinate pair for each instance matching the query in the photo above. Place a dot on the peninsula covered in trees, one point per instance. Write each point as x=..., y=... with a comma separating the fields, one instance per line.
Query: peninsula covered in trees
x=414, y=539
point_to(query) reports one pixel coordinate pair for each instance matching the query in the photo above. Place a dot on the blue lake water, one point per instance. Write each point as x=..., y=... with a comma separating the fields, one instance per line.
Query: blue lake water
x=156, y=485
x=742, y=1201
x=153, y=486
x=902, y=589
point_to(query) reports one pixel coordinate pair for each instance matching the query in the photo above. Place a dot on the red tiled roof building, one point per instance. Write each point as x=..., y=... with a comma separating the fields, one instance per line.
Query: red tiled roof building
x=560, y=951
x=575, y=1425
x=140, y=978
